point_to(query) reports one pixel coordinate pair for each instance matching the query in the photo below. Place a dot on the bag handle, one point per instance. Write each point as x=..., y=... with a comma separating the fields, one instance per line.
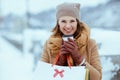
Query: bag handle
x=68, y=60
x=67, y=57
x=56, y=59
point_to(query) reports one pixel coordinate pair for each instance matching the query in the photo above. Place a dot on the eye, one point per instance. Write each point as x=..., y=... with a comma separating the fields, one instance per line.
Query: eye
x=72, y=21
x=63, y=21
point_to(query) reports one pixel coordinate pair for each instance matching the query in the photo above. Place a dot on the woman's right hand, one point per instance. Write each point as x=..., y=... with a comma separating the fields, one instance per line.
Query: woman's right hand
x=62, y=61
x=63, y=50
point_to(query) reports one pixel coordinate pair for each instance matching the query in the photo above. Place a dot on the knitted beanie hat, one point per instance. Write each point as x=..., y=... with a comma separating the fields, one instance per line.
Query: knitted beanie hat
x=68, y=9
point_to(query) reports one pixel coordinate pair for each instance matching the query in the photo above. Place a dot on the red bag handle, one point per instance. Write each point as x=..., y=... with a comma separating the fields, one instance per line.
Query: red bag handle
x=68, y=60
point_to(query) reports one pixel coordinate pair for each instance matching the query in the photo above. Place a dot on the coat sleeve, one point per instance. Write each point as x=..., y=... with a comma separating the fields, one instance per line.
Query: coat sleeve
x=45, y=55
x=94, y=65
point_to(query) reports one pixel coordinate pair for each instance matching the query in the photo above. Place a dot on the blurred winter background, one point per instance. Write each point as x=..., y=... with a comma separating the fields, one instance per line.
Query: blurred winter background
x=26, y=24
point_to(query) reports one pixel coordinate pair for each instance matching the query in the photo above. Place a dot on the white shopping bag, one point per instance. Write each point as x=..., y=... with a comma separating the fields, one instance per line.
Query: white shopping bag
x=46, y=71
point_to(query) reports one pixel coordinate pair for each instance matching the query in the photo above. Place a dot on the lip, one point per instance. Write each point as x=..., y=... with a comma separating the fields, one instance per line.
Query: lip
x=68, y=31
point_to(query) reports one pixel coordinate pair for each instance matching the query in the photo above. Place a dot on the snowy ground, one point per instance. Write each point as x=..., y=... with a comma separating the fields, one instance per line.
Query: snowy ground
x=15, y=66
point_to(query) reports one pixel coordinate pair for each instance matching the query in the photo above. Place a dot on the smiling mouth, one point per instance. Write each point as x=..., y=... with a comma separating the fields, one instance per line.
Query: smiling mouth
x=68, y=31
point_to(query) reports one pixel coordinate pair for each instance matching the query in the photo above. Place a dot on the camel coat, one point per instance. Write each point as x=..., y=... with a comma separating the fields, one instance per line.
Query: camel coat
x=86, y=46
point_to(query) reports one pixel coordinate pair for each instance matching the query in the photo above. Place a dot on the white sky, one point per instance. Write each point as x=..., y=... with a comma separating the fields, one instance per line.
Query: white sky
x=18, y=6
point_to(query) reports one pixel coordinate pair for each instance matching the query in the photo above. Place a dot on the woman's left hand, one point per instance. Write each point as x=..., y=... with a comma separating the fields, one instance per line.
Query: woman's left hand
x=72, y=47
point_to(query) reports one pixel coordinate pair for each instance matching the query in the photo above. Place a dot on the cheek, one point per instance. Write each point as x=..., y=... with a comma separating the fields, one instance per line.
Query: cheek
x=75, y=27
x=61, y=27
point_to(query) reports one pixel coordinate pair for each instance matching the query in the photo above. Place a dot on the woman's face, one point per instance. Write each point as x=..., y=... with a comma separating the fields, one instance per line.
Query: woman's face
x=68, y=25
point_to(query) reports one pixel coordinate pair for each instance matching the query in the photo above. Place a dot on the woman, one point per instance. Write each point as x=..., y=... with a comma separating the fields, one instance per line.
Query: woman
x=81, y=50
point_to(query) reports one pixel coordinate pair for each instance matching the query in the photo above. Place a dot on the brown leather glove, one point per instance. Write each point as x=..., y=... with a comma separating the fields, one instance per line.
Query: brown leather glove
x=71, y=46
x=62, y=61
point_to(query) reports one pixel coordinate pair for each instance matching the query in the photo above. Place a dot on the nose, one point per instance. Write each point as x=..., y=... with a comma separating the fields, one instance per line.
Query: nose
x=68, y=25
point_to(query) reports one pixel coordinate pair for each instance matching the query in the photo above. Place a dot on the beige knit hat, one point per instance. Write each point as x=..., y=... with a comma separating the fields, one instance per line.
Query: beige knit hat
x=68, y=9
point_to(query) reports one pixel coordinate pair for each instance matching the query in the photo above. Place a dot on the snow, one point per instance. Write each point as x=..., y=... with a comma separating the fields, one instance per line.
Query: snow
x=34, y=35
x=108, y=39
x=108, y=68
x=14, y=65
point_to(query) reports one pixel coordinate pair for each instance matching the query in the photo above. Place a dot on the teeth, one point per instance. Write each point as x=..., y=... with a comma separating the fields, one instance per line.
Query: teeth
x=68, y=30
